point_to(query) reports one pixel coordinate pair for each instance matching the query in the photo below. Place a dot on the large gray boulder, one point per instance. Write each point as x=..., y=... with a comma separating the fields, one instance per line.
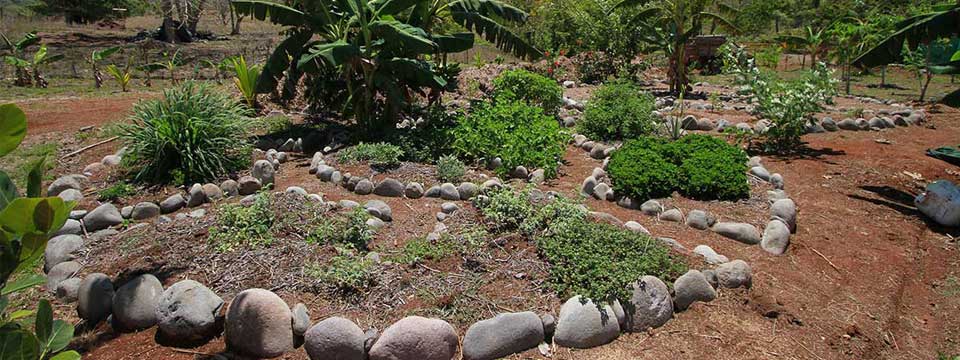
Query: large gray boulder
x=502, y=335
x=70, y=195
x=135, y=303
x=650, y=304
x=449, y=191
x=145, y=210
x=71, y=227
x=786, y=210
x=651, y=207
x=60, y=249
x=582, y=325
x=264, y=171
x=588, y=186
x=68, y=289
x=335, y=338
x=212, y=192
x=379, y=209
x=61, y=272
x=776, y=237
x=710, y=256
x=259, y=324
x=230, y=188
x=188, y=311
x=102, y=217
x=734, y=274
x=467, y=190
x=301, y=319
x=95, y=298
x=389, y=187
x=248, y=185
x=700, y=220
x=63, y=183
x=173, y=203
x=742, y=232
x=363, y=187
x=692, y=287
x=413, y=190
x=416, y=338
x=196, y=196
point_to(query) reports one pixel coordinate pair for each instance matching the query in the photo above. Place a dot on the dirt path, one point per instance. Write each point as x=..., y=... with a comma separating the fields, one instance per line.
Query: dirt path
x=865, y=277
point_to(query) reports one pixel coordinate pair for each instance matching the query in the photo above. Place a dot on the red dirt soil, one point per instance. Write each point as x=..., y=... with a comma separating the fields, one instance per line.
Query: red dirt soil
x=865, y=276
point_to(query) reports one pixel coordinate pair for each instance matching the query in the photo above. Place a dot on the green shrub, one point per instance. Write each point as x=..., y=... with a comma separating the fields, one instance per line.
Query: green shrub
x=640, y=172
x=450, y=169
x=618, y=111
x=699, y=166
x=194, y=130
x=517, y=133
x=248, y=226
x=599, y=261
x=116, y=191
x=378, y=154
x=428, y=140
x=547, y=217
x=530, y=88
x=350, y=229
x=418, y=250
x=507, y=209
x=714, y=175
x=347, y=272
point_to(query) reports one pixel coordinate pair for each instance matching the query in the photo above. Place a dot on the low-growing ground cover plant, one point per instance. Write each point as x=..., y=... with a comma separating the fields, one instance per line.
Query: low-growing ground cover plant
x=531, y=88
x=698, y=166
x=349, y=229
x=116, y=191
x=376, y=154
x=244, y=226
x=193, y=134
x=450, y=169
x=347, y=271
x=517, y=133
x=617, y=111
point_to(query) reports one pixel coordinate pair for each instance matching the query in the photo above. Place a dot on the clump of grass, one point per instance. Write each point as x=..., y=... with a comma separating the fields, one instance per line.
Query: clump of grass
x=376, y=154
x=420, y=249
x=194, y=130
x=350, y=230
x=347, y=271
x=116, y=191
x=244, y=226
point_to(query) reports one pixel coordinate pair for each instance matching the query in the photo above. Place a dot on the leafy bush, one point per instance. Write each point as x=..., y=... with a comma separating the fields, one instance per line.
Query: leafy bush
x=248, y=226
x=699, y=166
x=599, y=261
x=530, y=88
x=517, y=133
x=450, y=169
x=507, y=209
x=547, y=217
x=618, y=111
x=116, y=191
x=350, y=229
x=378, y=154
x=420, y=249
x=193, y=130
x=641, y=172
x=428, y=140
x=347, y=272
x=595, y=67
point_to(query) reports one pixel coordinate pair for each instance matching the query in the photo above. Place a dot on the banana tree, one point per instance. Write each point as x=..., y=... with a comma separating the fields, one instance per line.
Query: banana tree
x=246, y=79
x=95, y=58
x=811, y=40
x=361, y=43
x=669, y=25
x=478, y=16
x=24, y=67
x=15, y=56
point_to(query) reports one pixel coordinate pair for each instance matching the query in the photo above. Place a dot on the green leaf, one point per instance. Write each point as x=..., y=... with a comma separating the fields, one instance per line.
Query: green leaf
x=916, y=30
x=454, y=43
x=23, y=282
x=20, y=314
x=333, y=54
x=19, y=216
x=67, y=355
x=19, y=345
x=392, y=7
x=288, y=50
x=8, y=190
x=403, y=36
x=478, y=16
x=43, y=326
x=59, y=337
x=35, y=178
x=103, y=54
x=13, y=127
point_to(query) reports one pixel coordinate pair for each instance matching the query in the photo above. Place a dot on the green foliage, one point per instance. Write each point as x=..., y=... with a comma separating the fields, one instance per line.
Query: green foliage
x=428, y=140
x=116, y=191
x=769, y=56
x=27, y=224
x=618, y=111
x=381, y=155
x=240, y=226
x=350, y=229
x=450, y=169
x=599, y=261
x=528, y=87
x=347, y=272
x=583, y=25
x=245, y=78
x=640, y=172
x=517, y=133
x=193, y=130
x=699, y=166
x=507, y=209
x=122, y=77
x=18, y=163
x=420, y=249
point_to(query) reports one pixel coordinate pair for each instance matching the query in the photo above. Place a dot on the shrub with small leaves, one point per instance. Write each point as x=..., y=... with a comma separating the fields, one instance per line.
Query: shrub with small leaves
x=530, y=88
x=450, y=169
x=382, y=155
x=116, y=191
x=350, y=229
x=618, y=111
x=507, y=209
x=244, y=226
x=641, y=172
x=420, y=249
x=347, y=271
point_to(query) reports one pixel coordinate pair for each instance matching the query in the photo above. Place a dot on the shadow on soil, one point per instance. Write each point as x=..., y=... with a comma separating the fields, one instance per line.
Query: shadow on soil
x=902, y=202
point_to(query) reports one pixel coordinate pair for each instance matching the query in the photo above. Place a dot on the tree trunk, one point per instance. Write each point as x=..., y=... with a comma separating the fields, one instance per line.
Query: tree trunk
x=923, y=88
x=883, y=76
x=235, y=20
x=194, y=11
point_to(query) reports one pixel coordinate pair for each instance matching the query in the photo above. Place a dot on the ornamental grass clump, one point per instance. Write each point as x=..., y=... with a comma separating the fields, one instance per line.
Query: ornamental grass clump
x=193, y=134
